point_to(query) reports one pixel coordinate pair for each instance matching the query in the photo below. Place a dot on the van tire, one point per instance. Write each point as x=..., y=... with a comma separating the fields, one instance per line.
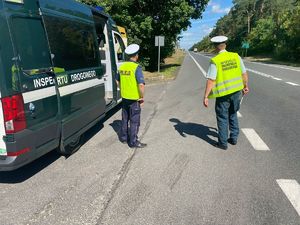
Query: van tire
x=72, y=147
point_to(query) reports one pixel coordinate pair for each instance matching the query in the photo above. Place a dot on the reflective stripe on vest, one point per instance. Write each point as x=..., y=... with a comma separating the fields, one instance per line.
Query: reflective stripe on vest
x=128, y=83
x=229, y=75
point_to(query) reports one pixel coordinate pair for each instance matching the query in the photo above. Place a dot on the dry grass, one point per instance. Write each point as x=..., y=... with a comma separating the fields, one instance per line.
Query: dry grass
x=168, y=70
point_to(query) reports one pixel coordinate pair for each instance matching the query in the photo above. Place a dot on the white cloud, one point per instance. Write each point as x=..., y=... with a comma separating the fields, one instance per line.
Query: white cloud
x=195, y=35
x=216, y=8
x=187, y=34
x=200, y=21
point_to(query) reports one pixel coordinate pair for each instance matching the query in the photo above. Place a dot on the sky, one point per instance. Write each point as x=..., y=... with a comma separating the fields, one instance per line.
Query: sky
x=202, y=27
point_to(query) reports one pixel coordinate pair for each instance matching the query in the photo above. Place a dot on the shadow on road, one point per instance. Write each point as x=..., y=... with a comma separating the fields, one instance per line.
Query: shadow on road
x=116, y=125
x=194, y=129
x=28, y=171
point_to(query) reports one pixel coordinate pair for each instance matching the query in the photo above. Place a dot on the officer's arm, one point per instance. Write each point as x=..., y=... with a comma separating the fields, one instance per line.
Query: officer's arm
x=209, y=86
x=142, y=90
x=245, y=81
x=244, y=76
x=141, y=81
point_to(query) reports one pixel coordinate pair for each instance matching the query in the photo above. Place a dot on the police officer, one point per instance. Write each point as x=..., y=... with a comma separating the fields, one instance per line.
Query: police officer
x=132, y=85
x=227, y=81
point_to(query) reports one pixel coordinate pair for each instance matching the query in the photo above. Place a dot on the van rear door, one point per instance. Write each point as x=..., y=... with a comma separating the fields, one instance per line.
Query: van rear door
x=73, y=45
x=30, y=78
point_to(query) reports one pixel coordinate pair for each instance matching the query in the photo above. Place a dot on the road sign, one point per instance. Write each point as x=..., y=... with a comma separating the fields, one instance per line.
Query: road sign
x=159, y=41
x=245, y=45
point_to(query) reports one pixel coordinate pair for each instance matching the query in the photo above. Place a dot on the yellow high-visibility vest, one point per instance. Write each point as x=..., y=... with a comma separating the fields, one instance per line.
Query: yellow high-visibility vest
x=128, y=83
x=229, y=74
x=14, y=78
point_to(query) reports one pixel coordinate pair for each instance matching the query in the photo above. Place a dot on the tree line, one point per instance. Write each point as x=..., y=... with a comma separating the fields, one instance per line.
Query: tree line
x=271, y=27
x=145, y=19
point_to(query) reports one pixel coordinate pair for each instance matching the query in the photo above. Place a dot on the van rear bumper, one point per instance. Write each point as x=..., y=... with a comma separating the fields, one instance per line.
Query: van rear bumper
x=28, y=145
x=8, y=163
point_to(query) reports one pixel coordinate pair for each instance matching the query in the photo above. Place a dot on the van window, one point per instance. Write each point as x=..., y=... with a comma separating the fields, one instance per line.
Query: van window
x=31, y=43
x=72, y=44
x=119, y=48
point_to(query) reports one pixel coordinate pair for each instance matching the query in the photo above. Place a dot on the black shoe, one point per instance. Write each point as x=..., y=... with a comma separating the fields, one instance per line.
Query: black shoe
x=218, y=145
x=123, y=141
x=138, y=145
x=231, y=141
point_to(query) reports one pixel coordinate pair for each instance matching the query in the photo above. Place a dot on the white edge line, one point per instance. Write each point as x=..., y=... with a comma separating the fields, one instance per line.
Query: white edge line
x=276, y=66
x=291, y=189
x=201, y=69
x=254, y=139
x=270, y=76
x=259, y=73
x=291, y=83
x=239, y=115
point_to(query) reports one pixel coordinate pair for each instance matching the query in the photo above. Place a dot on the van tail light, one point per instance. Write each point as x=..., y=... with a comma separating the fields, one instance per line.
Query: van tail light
x=14, y=114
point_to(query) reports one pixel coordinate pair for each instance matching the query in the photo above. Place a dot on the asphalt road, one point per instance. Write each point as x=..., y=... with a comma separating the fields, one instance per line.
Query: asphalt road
x=180, y=178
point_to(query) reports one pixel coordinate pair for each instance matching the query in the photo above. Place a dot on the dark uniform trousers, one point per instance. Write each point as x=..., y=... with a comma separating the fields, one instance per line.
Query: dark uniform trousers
x=131, y=115
x=226, y=110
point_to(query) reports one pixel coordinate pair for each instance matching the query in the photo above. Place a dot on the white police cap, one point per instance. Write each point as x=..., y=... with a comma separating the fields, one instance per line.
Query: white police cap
x=132, y=49
x=219, y=39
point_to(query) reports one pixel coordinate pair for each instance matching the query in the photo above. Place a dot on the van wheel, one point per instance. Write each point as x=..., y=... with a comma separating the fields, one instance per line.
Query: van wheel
x=71, y=147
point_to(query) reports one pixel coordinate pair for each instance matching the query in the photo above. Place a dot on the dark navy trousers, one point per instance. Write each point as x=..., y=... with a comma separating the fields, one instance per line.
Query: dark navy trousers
x=226, y=111
x=131, y=118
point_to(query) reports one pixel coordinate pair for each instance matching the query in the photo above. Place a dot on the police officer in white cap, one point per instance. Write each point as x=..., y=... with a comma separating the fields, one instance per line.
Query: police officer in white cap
x=132, y=85
x=227, y=81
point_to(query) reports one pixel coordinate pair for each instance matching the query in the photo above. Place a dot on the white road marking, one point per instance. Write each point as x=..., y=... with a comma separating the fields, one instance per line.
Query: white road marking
x=239, y=115
x=277, y=66
x=201, y=69
x=275, y=78
x=270, y=76
x=204, y=56
x=260, y=73
x=292, y=83
x=291, y=189
x=254, y=139
x=264, y=64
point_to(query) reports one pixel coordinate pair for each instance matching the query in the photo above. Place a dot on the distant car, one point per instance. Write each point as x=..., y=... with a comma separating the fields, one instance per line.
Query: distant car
x=195, y=50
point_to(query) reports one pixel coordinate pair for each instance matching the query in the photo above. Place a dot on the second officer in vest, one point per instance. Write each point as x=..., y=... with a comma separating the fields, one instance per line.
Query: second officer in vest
x=227, y=81
x=132, y=85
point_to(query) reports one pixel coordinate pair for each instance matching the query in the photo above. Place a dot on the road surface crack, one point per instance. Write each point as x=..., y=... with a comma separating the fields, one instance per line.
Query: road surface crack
x=121, y=176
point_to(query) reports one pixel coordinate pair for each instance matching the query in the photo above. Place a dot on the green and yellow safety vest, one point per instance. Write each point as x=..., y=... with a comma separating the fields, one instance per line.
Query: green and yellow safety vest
x=128, y=83
x=14, y=78
x=229, y=74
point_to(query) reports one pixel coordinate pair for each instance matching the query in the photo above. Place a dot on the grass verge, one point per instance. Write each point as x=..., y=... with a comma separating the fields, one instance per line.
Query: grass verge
x=169, y=69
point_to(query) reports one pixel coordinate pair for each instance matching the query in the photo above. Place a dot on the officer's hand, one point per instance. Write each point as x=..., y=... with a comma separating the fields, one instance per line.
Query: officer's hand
x=141, y=101
x=245, y=90
x=205, y=102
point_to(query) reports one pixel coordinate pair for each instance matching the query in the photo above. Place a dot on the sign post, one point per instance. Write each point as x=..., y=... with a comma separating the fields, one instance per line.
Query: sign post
x=159, y=42
x=245, y=45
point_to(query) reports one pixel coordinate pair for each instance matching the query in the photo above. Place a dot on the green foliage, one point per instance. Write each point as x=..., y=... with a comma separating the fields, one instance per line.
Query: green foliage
x=145, y=19
x=262, y=37
x=204, y=45
x=271, y=27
